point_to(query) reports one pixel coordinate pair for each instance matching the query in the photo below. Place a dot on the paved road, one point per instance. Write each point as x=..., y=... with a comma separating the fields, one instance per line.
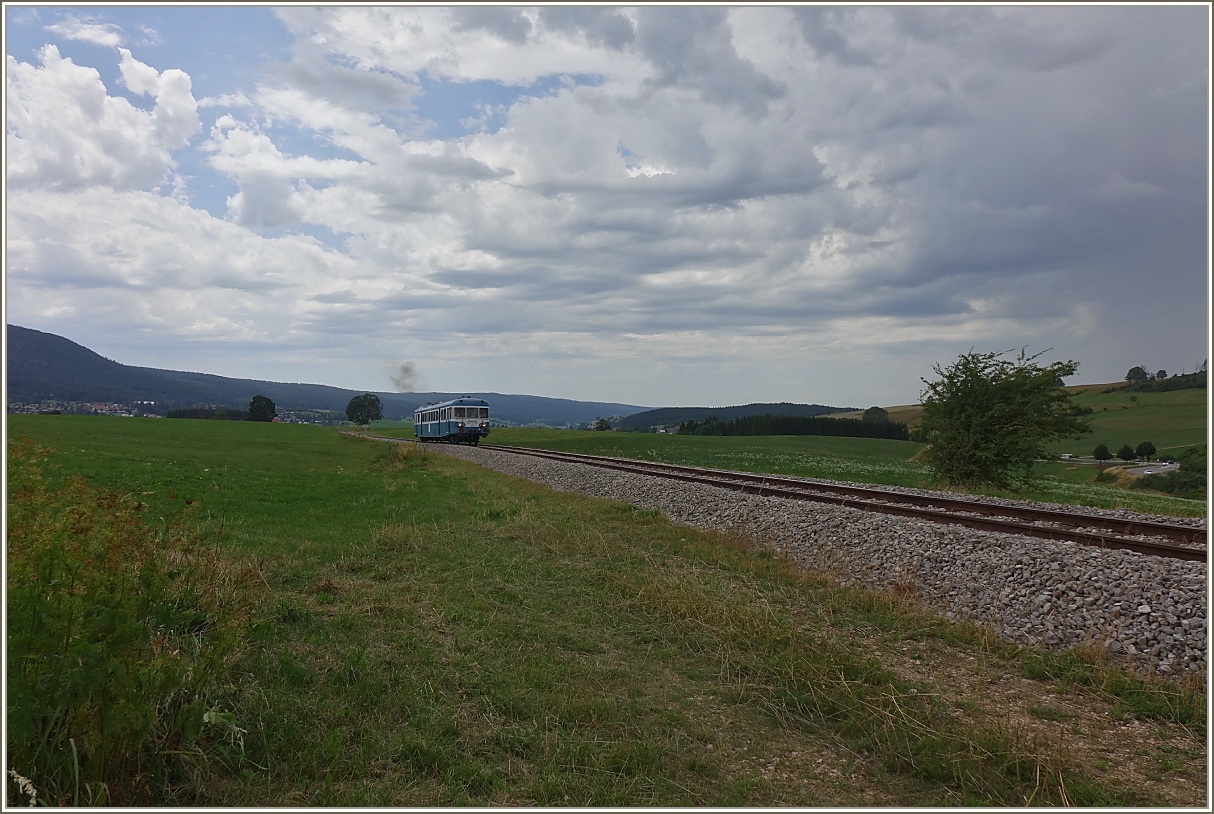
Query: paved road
x=1147, y=469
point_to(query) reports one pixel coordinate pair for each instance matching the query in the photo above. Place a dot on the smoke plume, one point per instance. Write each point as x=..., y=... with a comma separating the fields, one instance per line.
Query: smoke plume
x=404, y=377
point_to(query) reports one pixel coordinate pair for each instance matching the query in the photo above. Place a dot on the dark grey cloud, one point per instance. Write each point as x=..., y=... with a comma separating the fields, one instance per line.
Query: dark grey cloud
x=508, y=24
x=1015, y=38
x=825, y=30
x=691, y=47
x=600, y=26
x=350, y=88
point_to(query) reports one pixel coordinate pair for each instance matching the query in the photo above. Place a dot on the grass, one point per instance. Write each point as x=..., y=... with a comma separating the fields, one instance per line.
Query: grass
x=437, y=634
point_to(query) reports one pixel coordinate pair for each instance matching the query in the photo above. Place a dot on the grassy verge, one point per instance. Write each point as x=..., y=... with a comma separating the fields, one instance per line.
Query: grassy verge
x=436, y=634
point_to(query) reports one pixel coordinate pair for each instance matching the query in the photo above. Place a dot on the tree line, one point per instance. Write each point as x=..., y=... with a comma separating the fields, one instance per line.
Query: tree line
x=261, y=408
x=796, y=425
x=1127, y=453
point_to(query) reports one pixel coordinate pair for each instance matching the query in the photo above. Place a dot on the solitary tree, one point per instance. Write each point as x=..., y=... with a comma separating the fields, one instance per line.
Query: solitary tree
x=1137, y=374
x=261, y=409
x=1126, y=453
x=364, y=409
x=987, y=419
x=1161, y=374
x=602, y=425
x=1145, y=450
x=876, y=414
x=1101, y=453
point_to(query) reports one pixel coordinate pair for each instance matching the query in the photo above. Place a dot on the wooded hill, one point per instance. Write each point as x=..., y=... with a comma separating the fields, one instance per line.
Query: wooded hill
x=43, y=367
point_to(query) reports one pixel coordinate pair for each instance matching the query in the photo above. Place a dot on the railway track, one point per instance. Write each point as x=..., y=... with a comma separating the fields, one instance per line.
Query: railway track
x=1146, y=537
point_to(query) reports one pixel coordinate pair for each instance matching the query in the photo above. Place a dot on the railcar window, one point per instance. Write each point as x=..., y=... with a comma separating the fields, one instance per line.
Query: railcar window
x=484, y=412
x=459, y=412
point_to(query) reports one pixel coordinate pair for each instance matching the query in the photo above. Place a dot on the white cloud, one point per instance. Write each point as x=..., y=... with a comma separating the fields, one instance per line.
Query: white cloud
x=102, y=253
x=66, y=132
x=87, y=30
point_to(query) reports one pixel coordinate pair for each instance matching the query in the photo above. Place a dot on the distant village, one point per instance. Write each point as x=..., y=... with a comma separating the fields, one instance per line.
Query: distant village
x=150, y=409
x=138, y=409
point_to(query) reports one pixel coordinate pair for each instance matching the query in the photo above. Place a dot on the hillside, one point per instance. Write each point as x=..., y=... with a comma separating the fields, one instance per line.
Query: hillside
x=1171, y=420
x=667, y=416
x=44, y=367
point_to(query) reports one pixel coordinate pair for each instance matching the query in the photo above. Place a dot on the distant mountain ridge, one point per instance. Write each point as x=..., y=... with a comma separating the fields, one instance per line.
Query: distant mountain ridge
x=669, y=416
x=44, y=366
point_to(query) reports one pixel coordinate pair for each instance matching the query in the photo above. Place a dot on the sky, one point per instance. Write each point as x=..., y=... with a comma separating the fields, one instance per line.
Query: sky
x=657, y=206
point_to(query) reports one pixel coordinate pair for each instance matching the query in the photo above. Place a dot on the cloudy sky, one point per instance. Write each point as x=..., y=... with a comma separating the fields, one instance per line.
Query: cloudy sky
x=656, y=206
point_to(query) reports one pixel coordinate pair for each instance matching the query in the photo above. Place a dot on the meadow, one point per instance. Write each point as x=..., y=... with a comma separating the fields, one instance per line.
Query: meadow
x=1171, y=421
x=426, y=632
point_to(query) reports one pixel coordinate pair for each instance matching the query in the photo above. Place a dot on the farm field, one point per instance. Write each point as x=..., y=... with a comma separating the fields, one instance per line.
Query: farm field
x=1170, y=421
x=432, y=633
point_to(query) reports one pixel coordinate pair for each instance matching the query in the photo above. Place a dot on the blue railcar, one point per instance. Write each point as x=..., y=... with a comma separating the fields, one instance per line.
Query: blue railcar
x=459, y=421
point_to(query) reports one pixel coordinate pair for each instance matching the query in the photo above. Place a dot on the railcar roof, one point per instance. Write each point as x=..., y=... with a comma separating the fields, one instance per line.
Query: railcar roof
x=462, y=402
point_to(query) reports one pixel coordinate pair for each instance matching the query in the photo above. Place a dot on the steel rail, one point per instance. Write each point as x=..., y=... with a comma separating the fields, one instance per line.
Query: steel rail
x=1076, y=519
x=944, y=510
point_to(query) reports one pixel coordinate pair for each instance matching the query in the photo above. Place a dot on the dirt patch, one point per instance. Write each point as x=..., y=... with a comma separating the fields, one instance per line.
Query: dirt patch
x=1166, y=762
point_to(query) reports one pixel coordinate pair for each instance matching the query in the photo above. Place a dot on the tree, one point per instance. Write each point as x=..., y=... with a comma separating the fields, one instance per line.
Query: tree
x=1137, y=375
x=1145, y=450
x=1126, y=453
x=1161, y=374
x=987, y=419
x=364, y=409
x=876, y=414
x=602, y=425
x=261, y=409
x=1101, y=453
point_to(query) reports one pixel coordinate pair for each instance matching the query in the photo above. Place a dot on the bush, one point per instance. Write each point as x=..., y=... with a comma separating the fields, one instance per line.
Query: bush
x=209, y=413
x=120, y=636
x=1193, y=459
x=987, y=419
x=1180, y=484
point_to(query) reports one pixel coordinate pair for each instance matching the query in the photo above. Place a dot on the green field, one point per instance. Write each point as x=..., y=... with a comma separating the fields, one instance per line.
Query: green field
x=1170, y=421
x=430, y=633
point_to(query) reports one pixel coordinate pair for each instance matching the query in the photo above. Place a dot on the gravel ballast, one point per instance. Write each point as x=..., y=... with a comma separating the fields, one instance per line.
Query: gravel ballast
x=1147, y=612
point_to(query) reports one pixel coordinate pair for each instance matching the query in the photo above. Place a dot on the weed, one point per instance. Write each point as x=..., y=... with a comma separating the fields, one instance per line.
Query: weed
x=1150, y=698
x=120, y=635
x=1047, y=713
